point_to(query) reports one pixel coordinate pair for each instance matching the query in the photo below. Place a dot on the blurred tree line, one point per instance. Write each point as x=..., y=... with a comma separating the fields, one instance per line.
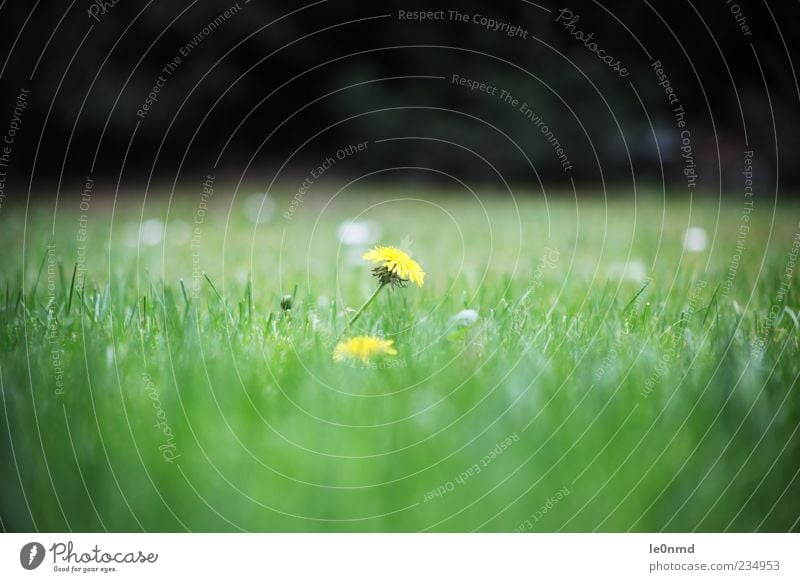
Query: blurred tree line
x=284, y=80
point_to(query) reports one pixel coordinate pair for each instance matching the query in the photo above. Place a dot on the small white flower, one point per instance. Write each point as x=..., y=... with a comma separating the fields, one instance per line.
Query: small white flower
x=259, y=208
x=152, y=232
x=465, y=317
x=634, y=270
x=358, y=232
x=695, y=239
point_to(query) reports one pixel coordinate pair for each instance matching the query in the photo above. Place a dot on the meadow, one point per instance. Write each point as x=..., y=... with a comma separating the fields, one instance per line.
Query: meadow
x=568, y=365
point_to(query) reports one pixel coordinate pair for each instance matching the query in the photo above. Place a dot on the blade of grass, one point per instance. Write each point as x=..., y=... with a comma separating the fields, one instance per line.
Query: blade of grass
x=635, y=297
x=186, y=301
x=62, y=281
x=38, y=276
x=713, y=301
x=221, y=300
x=71, y=288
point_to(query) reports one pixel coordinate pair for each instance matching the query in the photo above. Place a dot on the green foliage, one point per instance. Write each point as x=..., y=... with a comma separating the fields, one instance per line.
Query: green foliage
x=212, y=402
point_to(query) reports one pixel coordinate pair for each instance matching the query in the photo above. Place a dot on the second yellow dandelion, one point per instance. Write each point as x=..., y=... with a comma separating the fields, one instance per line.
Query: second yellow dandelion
x=364, y=348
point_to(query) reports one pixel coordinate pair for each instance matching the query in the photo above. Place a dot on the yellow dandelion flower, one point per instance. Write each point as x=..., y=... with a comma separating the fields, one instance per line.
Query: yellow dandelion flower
x=396, y=266
x=363, y=347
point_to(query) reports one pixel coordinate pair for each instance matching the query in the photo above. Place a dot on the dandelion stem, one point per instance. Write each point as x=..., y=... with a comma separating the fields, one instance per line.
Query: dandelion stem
x=363, y=307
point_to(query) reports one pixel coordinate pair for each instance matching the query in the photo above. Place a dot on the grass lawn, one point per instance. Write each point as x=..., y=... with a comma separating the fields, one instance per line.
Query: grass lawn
x=611, y=381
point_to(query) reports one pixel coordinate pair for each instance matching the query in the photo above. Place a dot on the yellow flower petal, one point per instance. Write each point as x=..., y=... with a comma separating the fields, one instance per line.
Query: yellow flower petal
x=363, y=347
x=397, y=262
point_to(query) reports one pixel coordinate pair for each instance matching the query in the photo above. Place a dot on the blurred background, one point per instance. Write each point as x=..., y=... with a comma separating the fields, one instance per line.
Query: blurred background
x=268, y=90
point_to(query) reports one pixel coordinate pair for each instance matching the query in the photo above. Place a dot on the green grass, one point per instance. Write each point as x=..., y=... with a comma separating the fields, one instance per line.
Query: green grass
x=192, y=401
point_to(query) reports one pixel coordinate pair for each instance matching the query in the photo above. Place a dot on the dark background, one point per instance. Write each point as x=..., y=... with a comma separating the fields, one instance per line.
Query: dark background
x=248, y=95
